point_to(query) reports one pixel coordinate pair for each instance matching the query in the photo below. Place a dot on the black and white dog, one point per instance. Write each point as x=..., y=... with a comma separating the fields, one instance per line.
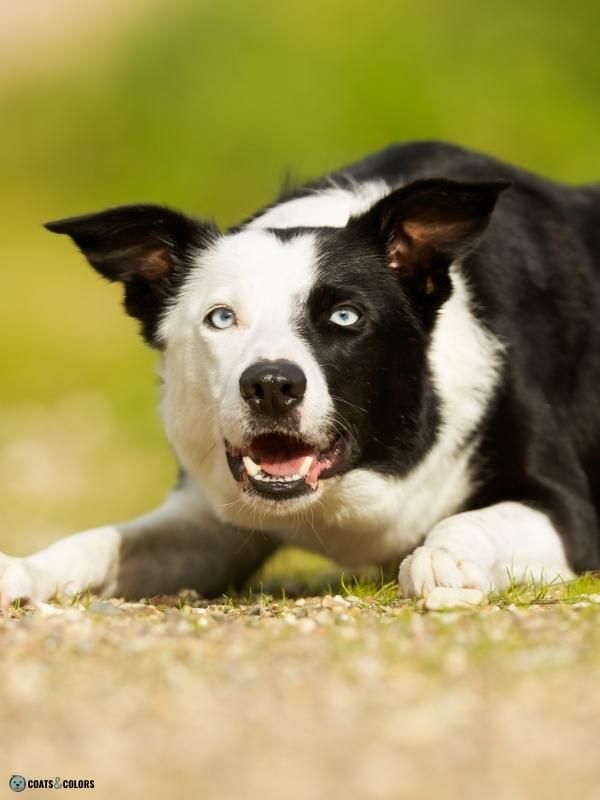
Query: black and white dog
x=400, y=361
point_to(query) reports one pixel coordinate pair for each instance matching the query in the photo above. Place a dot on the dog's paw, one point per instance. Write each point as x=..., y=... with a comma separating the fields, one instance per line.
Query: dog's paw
x=18, y=581
x=428, y=567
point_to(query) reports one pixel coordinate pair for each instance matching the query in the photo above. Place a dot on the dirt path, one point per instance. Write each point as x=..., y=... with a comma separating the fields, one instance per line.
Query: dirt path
x=322, y=697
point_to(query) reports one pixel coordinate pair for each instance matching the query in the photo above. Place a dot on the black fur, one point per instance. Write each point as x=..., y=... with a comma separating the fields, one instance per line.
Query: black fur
x=147, y=248
x=535, y=276
x=392, y=265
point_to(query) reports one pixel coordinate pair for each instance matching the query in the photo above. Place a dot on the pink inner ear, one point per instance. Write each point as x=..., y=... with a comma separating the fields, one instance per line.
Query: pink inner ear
x=154, y=264
x=412, y=245
x=415, y=241
x=422, y=231
x=400, y=253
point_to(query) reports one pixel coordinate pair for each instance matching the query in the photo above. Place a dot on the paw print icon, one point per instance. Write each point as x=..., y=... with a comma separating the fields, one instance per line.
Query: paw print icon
x=17, y=783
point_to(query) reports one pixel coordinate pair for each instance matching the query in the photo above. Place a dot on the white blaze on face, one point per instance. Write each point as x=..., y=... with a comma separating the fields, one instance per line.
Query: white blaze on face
x=331, y=207
x=265, y=281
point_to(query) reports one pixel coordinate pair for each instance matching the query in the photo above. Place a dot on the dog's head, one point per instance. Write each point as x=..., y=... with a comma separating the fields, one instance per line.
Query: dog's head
x=293, y=355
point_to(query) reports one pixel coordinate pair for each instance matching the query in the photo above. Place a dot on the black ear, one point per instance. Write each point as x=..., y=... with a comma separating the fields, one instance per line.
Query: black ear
x=430, y=223
x=147, y=248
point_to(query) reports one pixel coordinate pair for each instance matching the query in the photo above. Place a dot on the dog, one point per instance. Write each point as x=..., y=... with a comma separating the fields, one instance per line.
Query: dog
x=399, y=362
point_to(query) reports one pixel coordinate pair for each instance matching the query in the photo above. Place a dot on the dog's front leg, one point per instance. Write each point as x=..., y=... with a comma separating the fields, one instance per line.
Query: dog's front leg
x=486, y=549
x=179, y=545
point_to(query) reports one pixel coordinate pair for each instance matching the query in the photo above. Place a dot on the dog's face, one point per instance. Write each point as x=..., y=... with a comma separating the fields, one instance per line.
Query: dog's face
x=293, y=355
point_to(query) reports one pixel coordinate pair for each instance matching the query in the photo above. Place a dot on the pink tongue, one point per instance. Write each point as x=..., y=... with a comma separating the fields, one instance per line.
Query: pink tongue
x=276, y=466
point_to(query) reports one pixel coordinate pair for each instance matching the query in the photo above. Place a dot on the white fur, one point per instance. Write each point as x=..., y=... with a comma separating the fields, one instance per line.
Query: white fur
x=265, y=281
x=330, y=207
x=487, y=549
x=91, y=559
x=69, y=566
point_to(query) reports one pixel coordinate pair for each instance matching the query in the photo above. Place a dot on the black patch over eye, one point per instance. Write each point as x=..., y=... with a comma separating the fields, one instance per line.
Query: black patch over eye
x=333, y=309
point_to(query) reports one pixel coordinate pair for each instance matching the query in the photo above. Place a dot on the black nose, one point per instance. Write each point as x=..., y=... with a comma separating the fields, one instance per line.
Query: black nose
x=273, y=387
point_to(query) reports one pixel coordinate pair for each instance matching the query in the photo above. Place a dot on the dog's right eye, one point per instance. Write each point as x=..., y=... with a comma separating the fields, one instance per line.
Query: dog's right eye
x=221, y=317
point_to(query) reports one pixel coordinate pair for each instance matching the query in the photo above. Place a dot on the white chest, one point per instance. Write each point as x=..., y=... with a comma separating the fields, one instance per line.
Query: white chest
x=370, y=518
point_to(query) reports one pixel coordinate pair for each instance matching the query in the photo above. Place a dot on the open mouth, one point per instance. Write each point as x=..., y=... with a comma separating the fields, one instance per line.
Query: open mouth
x=284, y=467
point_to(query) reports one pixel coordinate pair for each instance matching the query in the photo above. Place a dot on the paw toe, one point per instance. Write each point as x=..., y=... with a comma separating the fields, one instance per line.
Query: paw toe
x=446, y=570
x=429, y=567
x=16, y=582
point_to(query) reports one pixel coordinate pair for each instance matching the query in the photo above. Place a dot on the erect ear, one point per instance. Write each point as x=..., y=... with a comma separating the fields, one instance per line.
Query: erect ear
x=428, y=224
x=147, y=248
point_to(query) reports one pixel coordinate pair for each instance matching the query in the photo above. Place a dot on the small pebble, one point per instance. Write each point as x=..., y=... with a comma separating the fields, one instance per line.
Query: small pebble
x=445, y=597
x=338, y=600
x=108, y=609
x=306, y=625
x=48, y=610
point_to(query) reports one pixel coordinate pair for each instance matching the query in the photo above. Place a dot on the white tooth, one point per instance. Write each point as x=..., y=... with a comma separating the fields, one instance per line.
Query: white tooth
x=306, y=465
x=251, y=468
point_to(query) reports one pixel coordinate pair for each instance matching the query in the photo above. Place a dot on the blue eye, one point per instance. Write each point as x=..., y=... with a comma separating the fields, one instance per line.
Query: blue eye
x=221, y=317
x=345, y=316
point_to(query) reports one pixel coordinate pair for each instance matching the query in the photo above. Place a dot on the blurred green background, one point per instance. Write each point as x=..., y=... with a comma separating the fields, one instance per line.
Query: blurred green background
x=205, y=105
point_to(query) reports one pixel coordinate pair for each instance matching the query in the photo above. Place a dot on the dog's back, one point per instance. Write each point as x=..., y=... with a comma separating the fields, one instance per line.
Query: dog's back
x=535, y=280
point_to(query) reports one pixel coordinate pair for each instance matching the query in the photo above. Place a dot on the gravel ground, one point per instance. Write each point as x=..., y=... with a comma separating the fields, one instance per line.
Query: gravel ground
x=361, y=696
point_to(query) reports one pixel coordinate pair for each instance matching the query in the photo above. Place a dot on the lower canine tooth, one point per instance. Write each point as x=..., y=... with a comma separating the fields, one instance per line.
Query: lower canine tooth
x=306, y=465
x=251, y=468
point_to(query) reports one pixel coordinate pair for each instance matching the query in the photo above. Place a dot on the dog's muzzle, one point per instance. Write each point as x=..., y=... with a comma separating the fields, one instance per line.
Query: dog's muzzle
x=278, y=463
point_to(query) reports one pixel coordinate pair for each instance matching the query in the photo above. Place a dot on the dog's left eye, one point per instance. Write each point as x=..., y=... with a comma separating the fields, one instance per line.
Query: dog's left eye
x=221, y=317
x=345, y=316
